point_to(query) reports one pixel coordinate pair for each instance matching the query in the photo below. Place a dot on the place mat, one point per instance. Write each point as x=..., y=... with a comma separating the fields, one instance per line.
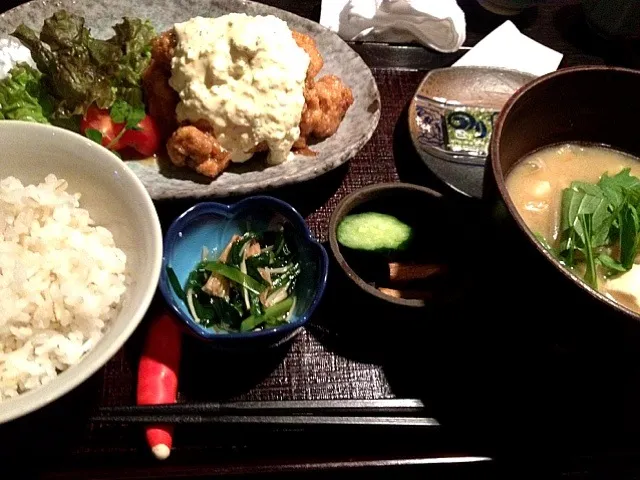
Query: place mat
x=308, y=370
x=332, y=359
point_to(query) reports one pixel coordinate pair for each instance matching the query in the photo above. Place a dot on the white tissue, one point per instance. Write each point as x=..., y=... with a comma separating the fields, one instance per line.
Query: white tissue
x=438, y=24
x=506, y=47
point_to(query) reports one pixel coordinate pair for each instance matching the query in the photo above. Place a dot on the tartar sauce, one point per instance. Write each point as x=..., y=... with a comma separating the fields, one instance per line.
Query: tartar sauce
x=244, y=75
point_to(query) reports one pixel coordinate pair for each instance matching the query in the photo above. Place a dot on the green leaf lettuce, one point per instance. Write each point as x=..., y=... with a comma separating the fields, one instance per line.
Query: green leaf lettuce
x=23, y=97
x=80, y=70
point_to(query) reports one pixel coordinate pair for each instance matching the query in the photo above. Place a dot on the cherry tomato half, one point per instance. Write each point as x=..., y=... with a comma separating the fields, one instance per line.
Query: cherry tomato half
x=100, y=120
x=145, y=139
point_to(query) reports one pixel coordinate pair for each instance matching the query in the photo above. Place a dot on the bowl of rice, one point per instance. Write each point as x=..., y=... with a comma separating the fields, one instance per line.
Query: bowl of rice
x=80, y=258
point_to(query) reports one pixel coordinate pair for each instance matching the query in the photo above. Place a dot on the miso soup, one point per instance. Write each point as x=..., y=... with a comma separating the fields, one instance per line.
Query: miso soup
x=583, y=203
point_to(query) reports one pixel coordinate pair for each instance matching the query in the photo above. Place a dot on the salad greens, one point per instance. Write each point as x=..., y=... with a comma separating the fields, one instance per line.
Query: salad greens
x=79, y=70
x=23, y=97
x=249, y=286
x=600, y=225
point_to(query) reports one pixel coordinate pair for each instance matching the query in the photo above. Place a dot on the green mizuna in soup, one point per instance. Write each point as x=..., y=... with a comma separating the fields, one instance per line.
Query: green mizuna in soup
x=583, y=204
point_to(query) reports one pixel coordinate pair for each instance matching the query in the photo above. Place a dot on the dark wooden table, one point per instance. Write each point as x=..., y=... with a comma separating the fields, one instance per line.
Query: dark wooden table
x=497, y=404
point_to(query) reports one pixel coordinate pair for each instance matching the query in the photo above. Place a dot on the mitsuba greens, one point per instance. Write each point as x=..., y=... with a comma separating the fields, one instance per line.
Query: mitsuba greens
x=600, y=225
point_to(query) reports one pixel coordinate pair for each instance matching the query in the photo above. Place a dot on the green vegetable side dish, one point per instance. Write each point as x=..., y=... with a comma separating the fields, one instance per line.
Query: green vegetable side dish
x=374, y=232
x=250, y=286
x=599, y=226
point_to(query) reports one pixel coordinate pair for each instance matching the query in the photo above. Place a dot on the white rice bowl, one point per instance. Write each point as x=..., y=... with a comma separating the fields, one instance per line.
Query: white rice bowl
x=62, y=281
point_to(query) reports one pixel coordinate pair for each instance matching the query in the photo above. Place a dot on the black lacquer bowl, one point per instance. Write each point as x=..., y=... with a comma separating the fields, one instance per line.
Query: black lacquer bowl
x=583, y=104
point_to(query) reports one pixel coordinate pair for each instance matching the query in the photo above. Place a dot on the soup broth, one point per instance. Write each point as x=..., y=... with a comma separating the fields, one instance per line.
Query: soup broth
x=536, y=186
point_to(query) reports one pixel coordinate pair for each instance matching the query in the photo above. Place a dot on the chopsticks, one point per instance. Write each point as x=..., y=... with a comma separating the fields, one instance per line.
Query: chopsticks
x=391, y=412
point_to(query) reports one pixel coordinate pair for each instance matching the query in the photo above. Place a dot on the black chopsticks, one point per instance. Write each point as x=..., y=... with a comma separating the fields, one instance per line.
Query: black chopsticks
x=388, y=412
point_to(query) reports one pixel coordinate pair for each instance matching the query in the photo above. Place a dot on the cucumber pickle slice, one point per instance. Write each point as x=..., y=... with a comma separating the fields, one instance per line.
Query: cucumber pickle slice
x=372, y=231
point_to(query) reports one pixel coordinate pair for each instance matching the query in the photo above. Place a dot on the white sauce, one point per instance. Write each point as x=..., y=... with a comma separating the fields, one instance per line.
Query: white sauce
x=244, y=75
x=13, y=52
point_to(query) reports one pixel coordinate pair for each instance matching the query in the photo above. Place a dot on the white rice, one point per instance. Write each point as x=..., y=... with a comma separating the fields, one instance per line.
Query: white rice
x=62, y=281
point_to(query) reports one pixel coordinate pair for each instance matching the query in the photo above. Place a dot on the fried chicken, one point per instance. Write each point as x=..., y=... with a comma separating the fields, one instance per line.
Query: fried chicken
x=198, y=149
x=195, y=146
x=163, y=46
x=326, y=101
x=316, y=63
x=161, y=98
x=325, y=105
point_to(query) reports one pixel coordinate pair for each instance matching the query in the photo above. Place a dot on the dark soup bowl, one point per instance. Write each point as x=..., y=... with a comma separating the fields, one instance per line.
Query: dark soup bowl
x=583, y=105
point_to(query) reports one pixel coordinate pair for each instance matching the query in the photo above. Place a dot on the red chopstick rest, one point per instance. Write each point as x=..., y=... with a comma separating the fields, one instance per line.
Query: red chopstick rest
x=158, y=377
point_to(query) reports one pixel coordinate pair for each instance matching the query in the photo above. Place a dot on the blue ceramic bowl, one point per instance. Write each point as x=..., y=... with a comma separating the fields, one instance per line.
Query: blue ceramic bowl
x=212, y=225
